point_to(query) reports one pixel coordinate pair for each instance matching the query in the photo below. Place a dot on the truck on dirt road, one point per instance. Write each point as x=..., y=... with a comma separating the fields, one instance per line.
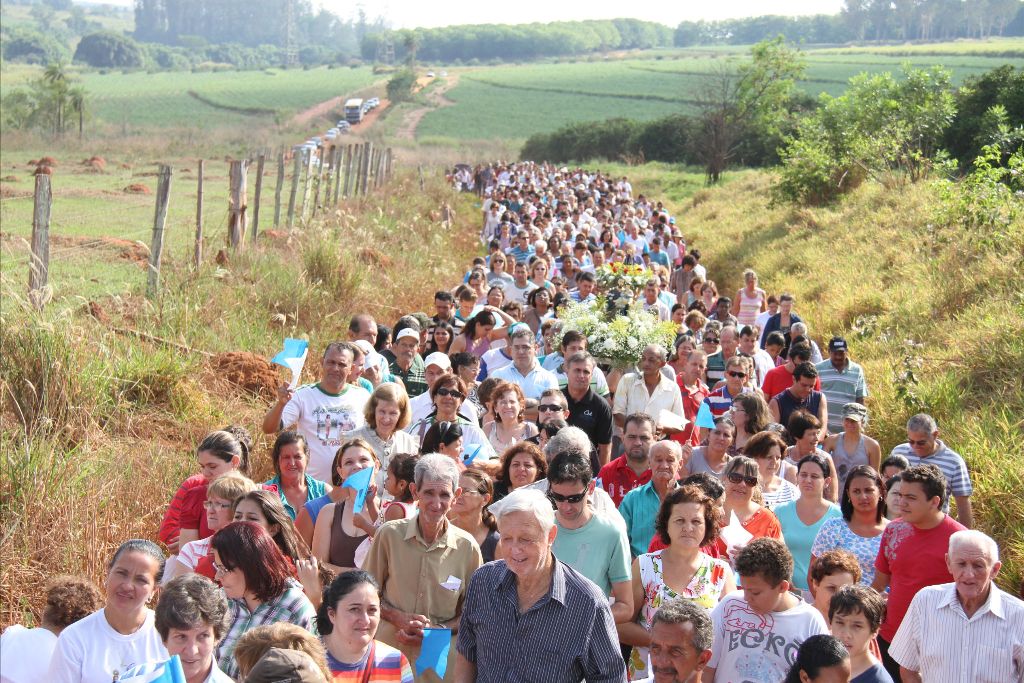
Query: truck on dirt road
x=354, y=110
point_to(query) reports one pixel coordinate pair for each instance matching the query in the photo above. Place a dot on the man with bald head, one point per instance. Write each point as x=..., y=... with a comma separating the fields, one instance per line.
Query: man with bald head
x=968, y=630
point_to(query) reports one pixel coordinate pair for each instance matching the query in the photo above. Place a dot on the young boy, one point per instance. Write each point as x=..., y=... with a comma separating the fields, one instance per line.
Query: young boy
x=758, y=630
x=833, y=570
x=855, y=613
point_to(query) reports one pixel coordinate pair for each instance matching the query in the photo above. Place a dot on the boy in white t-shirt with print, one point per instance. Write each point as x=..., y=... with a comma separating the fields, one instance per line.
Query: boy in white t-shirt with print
x=759, y=629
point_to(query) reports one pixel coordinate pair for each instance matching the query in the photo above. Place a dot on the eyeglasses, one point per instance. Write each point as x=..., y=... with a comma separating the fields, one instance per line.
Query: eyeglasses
x=737, y=478
x=221, y=569
x=573, y=499
x=550, y=407
x=710, y=340
x=733, y=373
x=454, y=393
x=210, y=505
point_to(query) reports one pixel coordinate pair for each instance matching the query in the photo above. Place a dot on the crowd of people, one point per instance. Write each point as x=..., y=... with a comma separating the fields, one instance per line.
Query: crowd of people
x=557, y=519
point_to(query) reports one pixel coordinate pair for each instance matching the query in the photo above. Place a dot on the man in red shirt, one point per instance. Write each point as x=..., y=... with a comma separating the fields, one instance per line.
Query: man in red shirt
x=913, y=549
x=631, y=469
x=781, y=378
x=693, y=391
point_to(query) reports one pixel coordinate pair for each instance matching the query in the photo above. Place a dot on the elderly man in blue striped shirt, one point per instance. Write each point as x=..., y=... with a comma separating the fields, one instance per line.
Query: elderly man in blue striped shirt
x=530, y=617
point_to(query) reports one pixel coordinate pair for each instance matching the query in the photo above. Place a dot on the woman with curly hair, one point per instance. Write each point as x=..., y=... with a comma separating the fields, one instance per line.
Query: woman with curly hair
x=687, y=519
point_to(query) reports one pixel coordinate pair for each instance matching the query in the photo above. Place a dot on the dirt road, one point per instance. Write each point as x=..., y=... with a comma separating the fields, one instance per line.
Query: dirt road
x=407, y=129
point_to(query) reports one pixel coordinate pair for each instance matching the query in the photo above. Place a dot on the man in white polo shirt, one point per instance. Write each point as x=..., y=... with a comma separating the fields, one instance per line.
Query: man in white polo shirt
x=524, y=369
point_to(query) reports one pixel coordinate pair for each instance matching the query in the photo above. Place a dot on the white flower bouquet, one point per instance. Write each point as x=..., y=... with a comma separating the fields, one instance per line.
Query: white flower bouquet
x=617, y=339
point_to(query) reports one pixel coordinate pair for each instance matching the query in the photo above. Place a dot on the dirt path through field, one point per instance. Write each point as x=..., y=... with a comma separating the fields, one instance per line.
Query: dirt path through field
x=319, y=110
x=407, y=129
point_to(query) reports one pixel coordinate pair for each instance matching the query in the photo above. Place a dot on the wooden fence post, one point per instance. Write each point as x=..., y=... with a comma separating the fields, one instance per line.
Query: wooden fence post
x=39, y=265
x=260, y=161
x=325, y=158
x=296, y=172
x=337, y=174
x=277, y=190
x=365, y=169
x=307, y=186
x=349, y=159
x=379, y=175
x=387, y=167
x=419, y=169
x=156, y=246
x=237, y=204
x=198, y=255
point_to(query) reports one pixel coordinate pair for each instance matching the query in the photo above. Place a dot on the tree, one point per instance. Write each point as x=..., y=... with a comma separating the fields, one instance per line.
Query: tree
x=55, y=81
x=107, y=49
x=400, y=86
x=754, y=97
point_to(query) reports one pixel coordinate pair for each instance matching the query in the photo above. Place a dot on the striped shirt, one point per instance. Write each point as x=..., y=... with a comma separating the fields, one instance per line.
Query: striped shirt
x=720, y=401
x=940, y=641
x=949, y=462
x=388, y=666
x=537, y=645
x=292, y=606
x=841, y=387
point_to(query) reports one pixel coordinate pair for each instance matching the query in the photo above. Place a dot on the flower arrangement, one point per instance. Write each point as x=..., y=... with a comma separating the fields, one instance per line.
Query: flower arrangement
x=621, y=277
x=616, y=338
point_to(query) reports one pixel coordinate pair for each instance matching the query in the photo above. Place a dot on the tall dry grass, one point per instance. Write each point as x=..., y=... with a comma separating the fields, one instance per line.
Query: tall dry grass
x=98, y=428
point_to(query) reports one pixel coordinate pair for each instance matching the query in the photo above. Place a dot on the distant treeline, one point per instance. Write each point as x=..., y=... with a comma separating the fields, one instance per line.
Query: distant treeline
x=867, y=20
x=518, y=42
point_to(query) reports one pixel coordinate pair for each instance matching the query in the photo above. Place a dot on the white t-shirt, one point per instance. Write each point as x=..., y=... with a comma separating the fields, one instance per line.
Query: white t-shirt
x=25, y=654
x=759, y=648
x=193, y=551
x=514, y=292
x=423, y=405
x=90, y=650
x=323, y=418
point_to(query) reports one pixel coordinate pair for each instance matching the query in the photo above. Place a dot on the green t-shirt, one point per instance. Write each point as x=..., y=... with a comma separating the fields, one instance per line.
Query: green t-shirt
x=598, y=550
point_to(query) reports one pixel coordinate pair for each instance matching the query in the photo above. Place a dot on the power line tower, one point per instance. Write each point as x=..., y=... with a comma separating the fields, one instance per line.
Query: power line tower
x=291, y=50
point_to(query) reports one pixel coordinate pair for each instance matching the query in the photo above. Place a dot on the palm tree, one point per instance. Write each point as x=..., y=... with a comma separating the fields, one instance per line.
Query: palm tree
x=55, y=79
x=76, y=98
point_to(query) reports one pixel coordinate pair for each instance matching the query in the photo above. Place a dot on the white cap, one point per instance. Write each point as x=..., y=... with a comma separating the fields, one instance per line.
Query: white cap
x=364, y=346
x=408, y=332
x=439, y=359
x=372, y=360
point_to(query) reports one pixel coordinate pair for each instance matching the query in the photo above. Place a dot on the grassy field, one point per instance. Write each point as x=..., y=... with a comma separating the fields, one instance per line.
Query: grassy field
x=516, y=101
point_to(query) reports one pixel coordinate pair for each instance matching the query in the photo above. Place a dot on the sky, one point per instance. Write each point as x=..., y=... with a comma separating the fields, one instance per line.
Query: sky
x=414, y=13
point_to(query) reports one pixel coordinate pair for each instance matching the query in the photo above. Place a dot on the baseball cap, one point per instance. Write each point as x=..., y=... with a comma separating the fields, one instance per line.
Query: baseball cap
x=364, y=346
x=280, y=665
x=837, y=344
x=855, y=411
x=439, y=359
x=408, y=332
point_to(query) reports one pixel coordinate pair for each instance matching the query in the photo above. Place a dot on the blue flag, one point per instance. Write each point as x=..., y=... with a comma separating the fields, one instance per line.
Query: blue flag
x=434, y=651
x=360, y=481
x=469, y=454
x=293, y=357
x=155, y=672
x=704, y=417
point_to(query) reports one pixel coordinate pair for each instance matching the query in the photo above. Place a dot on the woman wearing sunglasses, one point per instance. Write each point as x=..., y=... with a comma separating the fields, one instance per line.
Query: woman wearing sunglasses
x=742, y=478
x=448, y=393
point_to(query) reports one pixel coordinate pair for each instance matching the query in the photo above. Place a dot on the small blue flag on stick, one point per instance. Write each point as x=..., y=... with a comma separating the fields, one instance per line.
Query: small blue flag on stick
x=154, y=672
x=704, y=417
x=469, y=454
x=293, y=357
x=360, y=481
x=434, y=651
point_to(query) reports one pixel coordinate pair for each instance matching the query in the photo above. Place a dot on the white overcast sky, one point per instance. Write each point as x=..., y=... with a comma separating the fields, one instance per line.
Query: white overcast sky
x=413, y=13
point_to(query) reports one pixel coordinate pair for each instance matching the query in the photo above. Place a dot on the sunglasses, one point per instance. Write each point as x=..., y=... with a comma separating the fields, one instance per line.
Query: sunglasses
x=550, y=407
x=454, y=393
x=737, y=478
x=710, y=340
x=573, y=499
x=733, y=373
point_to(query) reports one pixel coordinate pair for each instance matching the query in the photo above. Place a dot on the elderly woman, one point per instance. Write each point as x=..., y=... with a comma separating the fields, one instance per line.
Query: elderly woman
x=348, y=619
x=521, y=465
x=510, y=425
x=25, y=652
x=290, y=457
x=802, y=518
x=387, y=414
x=766, y=449
x=687, y=519
x=863, y=521
x=448, y=393
x=191, y=618
x=742, y=478
x=531, y=581
x=258, y=583
x=94, y=649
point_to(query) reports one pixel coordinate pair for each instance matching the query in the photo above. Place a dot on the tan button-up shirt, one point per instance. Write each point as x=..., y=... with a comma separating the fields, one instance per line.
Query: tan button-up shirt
x=421, y=578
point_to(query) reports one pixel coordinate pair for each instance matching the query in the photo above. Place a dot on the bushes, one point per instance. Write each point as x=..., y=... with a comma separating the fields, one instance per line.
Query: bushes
x=107, y=49
x=33, y=47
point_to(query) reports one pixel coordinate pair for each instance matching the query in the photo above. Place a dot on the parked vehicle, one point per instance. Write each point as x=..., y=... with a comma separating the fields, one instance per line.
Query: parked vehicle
x=354, y=110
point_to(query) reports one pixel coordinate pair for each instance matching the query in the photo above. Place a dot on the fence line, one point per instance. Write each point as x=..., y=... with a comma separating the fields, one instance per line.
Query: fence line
x=343, y=172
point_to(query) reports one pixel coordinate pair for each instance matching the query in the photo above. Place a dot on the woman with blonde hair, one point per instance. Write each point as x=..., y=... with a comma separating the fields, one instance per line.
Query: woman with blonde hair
x=742, y=480
x=510, y=425
x=387, y=414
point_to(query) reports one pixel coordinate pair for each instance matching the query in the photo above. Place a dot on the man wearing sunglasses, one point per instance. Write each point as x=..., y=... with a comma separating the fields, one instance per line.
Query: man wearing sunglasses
x=591, y=544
